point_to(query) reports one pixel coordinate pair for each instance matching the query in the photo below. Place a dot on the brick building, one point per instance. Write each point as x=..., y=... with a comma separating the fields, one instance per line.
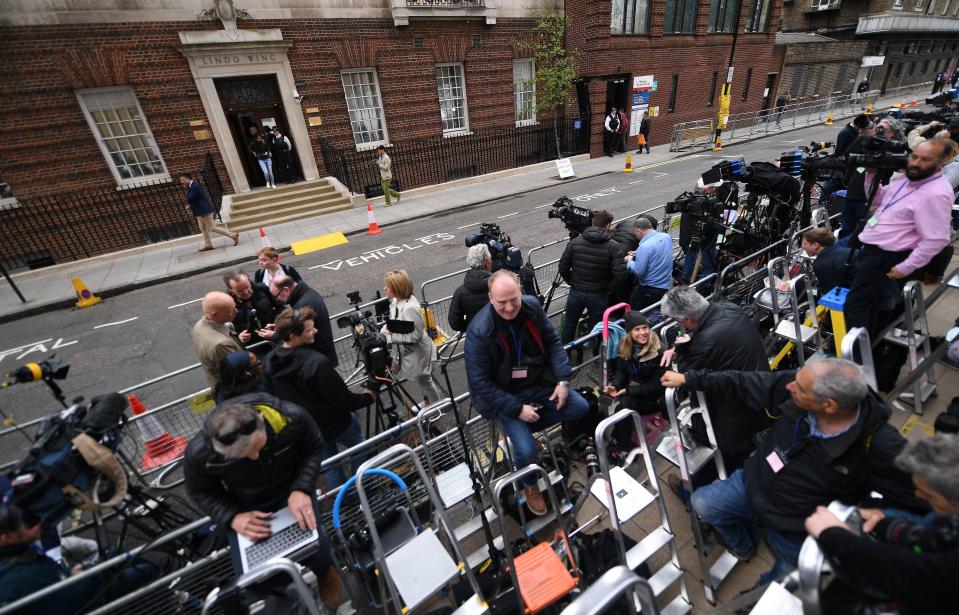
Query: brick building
x=832, y=45
x=684, y=45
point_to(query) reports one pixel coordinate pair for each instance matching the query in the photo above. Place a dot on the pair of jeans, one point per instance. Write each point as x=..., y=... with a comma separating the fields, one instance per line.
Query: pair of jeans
x=725, y=506
x=520, y=433
x=266, y=166
x=594, y=303
x=644, y=296
x=852, y=212
x=707, y=266
x=349, y=437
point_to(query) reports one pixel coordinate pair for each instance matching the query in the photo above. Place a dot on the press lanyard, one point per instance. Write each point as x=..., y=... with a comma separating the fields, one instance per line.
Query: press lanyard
x=796, y=431
x=517, y=343
x=895, y=200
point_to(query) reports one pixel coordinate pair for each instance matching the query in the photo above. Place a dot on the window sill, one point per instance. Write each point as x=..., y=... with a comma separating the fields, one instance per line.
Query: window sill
x=9, y=203
x=369, y=147
x=156, y=180
x=457, y=133
x=524, y=123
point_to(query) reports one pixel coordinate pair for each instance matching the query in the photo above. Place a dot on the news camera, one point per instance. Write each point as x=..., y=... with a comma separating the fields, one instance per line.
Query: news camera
x=695, y=204
x=940, y=99
x=881, y=154
x=502, y=252
x=576, y=219
x=373, y=350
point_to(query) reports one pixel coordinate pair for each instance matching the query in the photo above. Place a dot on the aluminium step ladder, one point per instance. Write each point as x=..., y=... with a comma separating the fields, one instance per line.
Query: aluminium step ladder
x=915, y=337
x=617, y=582
x=261, y=574
x=681, y=450
x=857, y=347
x=782, y=300
x=625, y=498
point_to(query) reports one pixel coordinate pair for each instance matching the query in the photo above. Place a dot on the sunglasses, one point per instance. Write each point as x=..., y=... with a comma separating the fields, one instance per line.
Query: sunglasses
x=245, y=429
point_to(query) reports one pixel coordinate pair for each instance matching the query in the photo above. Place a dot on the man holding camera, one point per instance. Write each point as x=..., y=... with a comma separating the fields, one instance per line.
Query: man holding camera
x=299, y=295
x=593, y=266
x=254, y=456
x=518, y=372
x=256, y=309
x=909, y=225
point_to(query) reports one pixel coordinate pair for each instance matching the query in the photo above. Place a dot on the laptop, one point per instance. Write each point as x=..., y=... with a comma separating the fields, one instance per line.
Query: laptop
x=286, y=538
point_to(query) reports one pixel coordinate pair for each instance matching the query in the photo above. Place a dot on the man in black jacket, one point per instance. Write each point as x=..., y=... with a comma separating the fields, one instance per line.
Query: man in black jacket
x=719, y=337
x=299, y=295
x=297, y=373
x=256, y=309
x=593, y=266
x=473, y=295
x=835, y=266
x=254, y=456
x=830, y=441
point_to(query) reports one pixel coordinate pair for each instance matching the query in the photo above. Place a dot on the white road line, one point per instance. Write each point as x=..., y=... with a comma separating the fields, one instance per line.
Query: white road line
x=12, y=350
x=119, y=322
x=460, y=228
x=793, y=141
x=185, y=303
x=542, y=206
x=507, y=215
x=637, y=181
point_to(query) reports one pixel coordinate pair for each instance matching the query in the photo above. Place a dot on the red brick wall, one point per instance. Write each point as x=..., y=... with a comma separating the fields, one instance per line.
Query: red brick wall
x=46, y=145
x=693, y=57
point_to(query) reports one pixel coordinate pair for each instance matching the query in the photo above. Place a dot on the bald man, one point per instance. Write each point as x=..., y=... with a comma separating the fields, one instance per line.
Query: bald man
x=213, y=339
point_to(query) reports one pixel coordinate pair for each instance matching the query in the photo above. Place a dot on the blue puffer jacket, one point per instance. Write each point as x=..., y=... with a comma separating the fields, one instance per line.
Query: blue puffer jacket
x=488, y=362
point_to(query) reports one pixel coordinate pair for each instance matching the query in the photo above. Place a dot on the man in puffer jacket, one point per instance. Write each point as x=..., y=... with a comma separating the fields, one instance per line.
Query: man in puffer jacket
x=473, y=295
x=593, y=266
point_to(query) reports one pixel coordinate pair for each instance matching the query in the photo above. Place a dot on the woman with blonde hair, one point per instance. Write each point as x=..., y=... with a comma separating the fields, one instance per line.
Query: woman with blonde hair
x=414, y=352
x=270, y=267
x=636, y=383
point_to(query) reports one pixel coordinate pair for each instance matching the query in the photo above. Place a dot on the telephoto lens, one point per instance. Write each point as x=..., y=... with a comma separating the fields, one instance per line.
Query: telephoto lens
x=592, y=459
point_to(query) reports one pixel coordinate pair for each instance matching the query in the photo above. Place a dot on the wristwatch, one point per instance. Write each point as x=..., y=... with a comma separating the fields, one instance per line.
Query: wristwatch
x=565, y=383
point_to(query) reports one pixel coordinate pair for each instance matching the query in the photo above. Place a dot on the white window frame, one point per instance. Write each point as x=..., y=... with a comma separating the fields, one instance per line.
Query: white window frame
x=822, y=5
x=366, y=145
x=147, y=136
x=525, y=116
x=465, y=128
x=897, y=4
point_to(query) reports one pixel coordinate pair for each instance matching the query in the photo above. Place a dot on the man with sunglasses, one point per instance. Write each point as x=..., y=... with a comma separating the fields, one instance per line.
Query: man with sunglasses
x=255, y=455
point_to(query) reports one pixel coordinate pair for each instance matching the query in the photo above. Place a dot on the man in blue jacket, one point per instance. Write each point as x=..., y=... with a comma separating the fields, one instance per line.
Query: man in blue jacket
x=201, y=208
x=518, y=372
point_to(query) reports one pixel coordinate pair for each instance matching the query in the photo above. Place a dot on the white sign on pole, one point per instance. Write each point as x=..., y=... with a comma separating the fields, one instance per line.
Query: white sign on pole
x=643, y=82
x=729, y=75
x=564, y=167
x=872, y=61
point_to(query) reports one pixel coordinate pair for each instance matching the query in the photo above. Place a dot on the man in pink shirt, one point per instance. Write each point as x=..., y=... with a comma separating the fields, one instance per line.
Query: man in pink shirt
x=908, y=225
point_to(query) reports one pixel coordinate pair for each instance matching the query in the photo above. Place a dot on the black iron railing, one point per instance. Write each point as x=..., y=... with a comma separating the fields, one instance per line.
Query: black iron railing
x=423, y=162
x=46, y=230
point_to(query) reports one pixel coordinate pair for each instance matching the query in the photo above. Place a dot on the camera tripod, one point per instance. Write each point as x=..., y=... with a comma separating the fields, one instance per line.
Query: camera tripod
x=394, y=389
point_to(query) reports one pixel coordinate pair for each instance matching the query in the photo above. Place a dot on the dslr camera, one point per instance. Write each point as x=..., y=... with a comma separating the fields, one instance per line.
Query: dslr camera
x=881, y=154
x=576, y=219
x=501, y=249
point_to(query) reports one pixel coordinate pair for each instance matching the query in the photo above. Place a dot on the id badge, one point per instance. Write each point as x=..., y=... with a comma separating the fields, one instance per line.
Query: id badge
x=519, y=372
x=872, y=221
x=776, y=461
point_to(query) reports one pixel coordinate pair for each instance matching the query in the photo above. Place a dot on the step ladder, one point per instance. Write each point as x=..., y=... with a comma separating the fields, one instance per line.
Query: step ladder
x=857, y=348
x=251, y=579
x=835, y=301
x=625, y=498
x=416, y=568
x=783, y=297
x=915, y=336
x=616, y=583
x=540, y=577
x=680, y=449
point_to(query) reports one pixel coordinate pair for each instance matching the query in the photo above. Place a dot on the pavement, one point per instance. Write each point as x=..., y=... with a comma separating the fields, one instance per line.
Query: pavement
x=116, y=273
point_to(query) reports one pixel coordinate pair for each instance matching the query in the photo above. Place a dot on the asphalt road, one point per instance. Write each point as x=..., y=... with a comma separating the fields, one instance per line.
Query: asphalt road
x=145, y=333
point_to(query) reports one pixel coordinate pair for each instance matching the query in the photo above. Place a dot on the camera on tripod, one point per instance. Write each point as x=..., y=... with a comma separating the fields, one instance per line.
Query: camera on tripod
x=696, y=204
x=502, y=252
x=576, y=219
x=881, y=154
x=372, y=347
x=939, y=99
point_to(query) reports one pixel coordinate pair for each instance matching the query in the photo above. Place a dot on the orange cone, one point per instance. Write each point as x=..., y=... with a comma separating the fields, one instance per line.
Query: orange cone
x=264, y=240
x=374, y=228
x=162, y=448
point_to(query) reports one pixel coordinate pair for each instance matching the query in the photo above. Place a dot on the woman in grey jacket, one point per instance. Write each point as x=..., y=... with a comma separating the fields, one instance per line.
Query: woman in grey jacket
x=413, y=353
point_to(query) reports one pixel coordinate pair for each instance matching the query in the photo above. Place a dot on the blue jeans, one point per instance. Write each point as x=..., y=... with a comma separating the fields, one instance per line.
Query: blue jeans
x=852, y=212
x=349, y=437
x=266, y=165
x=594, y=303
x=520, y=433
x=725, y=506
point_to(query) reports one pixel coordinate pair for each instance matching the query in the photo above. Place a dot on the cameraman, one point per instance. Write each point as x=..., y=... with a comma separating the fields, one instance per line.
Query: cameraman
x=256, y=309
x=297, y=373
x=701, y=223
x=909, y=225
x=473, y=295
x=593, y=266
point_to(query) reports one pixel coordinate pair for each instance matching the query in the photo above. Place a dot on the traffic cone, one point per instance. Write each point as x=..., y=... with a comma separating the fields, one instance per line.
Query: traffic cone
x=629, y=164
x=374, y=228
x=85, y=297
x=828, y=120
x=264, y=240
x=869, y=109
x=162, y=448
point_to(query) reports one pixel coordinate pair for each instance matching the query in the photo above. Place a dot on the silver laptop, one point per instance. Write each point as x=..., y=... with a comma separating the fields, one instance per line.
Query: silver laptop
x=286, y=538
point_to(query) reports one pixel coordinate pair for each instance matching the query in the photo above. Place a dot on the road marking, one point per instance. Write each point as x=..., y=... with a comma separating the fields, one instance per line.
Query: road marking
x=119, y=322
x=542, y=206
x=460, y=228
x=793, y=141
x=185, y=303
x=638, y=181
x=384, y=252
x=507, y=215
x=35, y=347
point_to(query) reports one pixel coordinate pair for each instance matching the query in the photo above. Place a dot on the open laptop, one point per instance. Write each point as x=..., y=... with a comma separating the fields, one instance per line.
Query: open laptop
x=285, y=539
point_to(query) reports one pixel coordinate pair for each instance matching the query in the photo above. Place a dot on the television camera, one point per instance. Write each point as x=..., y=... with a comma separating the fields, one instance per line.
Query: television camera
x=371, y=345
x=501, y=249
x=696, y=204
x=576, y=219
x=881, y=154
x=939, y=99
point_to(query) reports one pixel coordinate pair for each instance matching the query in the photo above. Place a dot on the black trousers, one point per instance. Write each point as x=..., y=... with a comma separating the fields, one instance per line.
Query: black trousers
x=644, y=296
x=872, y=295
x=610, y=143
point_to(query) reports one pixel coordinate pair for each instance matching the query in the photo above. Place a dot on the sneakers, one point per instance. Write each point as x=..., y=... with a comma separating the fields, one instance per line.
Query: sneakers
x=534, y=500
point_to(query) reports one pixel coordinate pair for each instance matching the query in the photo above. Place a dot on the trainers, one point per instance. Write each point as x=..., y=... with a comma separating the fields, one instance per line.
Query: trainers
x=534, y=500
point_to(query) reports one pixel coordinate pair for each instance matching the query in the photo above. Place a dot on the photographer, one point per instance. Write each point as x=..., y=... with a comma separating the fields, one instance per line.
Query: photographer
x=299, y=295
x=698, y=221
x=256, y=309
x=910, y=564
x=297, y=373
x=473, y=295
x=593, y=266
x=909, y=225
